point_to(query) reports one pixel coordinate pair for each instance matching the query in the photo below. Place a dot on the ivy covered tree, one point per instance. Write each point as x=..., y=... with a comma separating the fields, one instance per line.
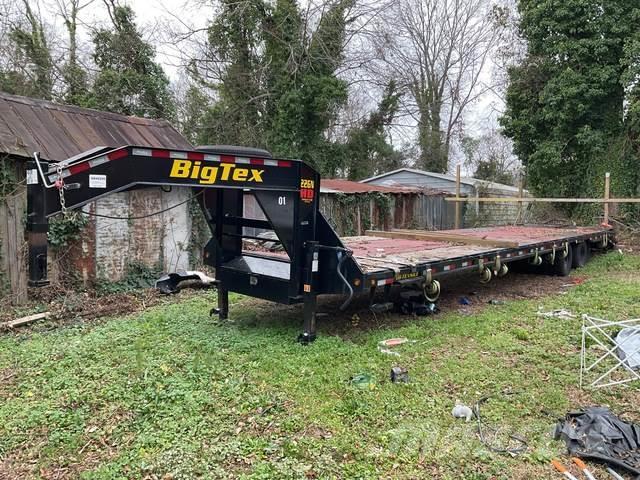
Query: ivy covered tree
x=631, y=81
x=566, y=100
x=367, y=151
x=129, y=81
x=275, y=79
x=29, y=68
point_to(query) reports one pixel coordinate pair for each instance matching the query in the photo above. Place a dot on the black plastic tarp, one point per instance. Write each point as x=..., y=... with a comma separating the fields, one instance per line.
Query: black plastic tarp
x=597, y=434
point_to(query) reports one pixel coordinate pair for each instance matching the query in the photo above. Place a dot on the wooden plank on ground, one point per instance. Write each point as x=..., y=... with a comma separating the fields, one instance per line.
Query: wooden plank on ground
x=442, y=237
x=24, y=320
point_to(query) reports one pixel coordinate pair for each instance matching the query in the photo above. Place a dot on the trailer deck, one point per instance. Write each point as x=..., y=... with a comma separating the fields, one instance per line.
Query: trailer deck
x=381, y=254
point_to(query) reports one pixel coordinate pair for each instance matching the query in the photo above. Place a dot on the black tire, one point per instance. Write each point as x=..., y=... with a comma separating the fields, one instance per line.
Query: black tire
x=562, y=266
x=580, y=254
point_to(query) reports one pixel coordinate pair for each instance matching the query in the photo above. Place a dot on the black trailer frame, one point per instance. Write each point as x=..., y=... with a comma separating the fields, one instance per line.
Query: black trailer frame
x=316, y=262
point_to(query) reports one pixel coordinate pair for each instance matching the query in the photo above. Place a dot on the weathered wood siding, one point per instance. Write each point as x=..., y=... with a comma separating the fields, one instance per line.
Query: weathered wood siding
x=475, y=214
x=13, y=265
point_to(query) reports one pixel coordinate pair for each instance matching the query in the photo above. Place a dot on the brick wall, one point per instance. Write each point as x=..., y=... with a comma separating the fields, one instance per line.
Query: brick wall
x=160, y=241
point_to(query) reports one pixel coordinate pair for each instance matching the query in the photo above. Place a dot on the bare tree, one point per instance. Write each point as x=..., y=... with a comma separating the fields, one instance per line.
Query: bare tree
x=490, y=157
x=438, y=51
x=74, y=75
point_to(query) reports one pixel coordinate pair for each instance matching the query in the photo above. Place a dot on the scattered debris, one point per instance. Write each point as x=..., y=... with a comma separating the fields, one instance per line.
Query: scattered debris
x=614, y=474
x=628, y=345
x=495, y=302
x=171, y=283
x=420, y=309
x=596, y=433
x=392, y=342
x=381, y=307
x=462, y=411
x=24, y=320
x=399, y=375
x=385, y=345
x=562, y=469
x=608, y=356
x=363, y=381
x=583, y=467
x=561, y=313
x=464, y=301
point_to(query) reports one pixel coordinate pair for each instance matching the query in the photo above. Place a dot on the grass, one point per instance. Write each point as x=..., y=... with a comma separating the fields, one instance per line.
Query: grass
x=172, y=394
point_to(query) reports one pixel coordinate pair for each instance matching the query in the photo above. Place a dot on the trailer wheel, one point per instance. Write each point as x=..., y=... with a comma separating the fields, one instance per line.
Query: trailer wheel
x=580, y=254
x=502, y=271
x=432, y=291
x=486, y=275
x=562, y=265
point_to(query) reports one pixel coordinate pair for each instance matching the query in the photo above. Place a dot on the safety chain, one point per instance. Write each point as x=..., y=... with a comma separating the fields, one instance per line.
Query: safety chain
x=60, y=186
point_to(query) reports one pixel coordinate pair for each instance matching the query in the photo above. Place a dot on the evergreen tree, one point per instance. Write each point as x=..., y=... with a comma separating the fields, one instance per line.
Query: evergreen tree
x=565, y=100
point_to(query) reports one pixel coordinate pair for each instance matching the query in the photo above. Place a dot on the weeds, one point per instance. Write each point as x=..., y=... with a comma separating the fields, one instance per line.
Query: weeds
x=170, y=393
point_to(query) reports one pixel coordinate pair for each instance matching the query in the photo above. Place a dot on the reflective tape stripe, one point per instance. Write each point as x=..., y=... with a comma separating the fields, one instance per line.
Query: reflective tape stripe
x=195, y=156
x=118, y=154
x=79, y=168
x=98, y=161
x=244, y=160
x=161, y=153
x=142, y=152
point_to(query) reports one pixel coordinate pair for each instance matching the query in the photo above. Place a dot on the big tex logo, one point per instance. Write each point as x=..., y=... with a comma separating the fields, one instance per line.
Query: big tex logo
x=208, y=175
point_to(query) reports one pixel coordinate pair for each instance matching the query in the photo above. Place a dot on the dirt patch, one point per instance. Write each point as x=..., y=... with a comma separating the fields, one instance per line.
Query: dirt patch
x=359, y=318
x=69, y=306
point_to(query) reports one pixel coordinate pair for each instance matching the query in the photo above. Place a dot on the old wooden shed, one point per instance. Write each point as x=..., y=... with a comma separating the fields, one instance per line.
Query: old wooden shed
x=476, y=213
x=107, y=245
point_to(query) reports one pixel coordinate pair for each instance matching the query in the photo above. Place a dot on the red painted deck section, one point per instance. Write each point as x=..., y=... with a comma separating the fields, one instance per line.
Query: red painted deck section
x=377, y=253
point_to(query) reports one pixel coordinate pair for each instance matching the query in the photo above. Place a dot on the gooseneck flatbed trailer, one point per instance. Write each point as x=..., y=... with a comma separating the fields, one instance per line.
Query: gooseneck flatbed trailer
x=314, y=259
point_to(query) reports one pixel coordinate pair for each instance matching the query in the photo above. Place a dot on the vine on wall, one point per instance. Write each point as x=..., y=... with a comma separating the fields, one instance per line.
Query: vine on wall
x=342, y=209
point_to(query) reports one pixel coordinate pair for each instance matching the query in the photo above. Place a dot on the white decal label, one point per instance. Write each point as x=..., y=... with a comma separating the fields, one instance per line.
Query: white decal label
x=32, y=177
x=97, y=181
x=314, y=266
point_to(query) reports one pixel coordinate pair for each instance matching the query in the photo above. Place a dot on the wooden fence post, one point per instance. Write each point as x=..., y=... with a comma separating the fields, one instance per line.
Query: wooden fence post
x=607, y=184
x=520, y=216
x=458, y=196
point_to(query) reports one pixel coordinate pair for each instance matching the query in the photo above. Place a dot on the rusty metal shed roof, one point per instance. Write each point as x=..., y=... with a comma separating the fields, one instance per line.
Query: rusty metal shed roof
x=60, y=131
x=339, y=185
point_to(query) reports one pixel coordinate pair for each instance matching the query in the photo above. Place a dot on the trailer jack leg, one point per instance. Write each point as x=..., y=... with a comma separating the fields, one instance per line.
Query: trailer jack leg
x=308, y=334
x=223, y=304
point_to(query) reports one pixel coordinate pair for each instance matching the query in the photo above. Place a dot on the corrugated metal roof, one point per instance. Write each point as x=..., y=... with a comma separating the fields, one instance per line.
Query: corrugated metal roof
x=473, y=182
x=58, y=131
x=338, y=185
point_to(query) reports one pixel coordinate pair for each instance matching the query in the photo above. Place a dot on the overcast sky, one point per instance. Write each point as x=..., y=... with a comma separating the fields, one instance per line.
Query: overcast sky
x=159, y=21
